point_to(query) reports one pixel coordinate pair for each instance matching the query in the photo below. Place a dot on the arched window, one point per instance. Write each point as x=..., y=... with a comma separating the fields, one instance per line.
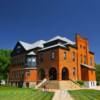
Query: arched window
x=65, y=74
x=52, y=74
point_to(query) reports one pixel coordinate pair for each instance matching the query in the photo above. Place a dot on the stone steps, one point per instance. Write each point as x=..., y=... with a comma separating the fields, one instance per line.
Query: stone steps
x=62, y=85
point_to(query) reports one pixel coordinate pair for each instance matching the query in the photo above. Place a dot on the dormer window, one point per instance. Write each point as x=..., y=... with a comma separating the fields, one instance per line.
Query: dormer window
x=18, y=47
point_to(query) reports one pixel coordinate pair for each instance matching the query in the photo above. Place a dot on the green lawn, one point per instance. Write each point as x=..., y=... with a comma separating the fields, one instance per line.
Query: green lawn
x=9, y=93
x=85, y=94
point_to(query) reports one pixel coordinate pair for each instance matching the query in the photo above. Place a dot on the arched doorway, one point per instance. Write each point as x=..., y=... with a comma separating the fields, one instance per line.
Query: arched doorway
x=65, y=74
x=41, y=74
x=52, y=74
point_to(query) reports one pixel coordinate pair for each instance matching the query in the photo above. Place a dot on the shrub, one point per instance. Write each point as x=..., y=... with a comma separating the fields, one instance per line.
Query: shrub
x=80, y=82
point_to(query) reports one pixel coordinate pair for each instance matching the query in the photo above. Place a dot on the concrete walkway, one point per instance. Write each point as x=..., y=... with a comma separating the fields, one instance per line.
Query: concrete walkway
x=62, y=95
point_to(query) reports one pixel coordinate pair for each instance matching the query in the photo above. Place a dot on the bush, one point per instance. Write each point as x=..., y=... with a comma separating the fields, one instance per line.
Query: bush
x=80, y=82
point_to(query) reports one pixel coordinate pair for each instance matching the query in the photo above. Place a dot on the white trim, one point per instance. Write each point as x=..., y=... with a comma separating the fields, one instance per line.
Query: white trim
x=61, y=38
x=88, y=66
x=28, y=46
x=53, y=47
x=30, y=68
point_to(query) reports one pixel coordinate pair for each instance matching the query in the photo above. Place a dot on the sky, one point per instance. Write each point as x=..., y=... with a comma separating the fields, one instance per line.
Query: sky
x=31, y=20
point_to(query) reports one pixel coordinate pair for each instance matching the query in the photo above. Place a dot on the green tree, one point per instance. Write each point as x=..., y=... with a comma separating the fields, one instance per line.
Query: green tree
x=4, y=63
x=98, y=73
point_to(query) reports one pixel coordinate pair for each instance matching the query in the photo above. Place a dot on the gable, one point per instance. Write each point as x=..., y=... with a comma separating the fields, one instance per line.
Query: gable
x=17, y=49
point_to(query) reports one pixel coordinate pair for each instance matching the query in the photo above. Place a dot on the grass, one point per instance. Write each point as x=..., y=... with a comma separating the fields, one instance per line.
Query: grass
x=9, y=93
x=85, y=94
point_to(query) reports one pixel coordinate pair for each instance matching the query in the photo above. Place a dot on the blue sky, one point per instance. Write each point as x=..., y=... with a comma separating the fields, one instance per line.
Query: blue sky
x=31, y=20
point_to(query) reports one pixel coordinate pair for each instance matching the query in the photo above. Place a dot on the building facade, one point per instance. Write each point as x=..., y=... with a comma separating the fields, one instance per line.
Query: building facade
x=56, y=59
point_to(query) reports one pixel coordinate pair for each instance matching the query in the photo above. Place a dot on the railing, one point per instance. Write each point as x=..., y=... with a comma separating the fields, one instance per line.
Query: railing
x=75, y=82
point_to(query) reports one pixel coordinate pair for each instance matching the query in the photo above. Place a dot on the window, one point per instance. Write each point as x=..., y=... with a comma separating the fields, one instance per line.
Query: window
x=18, y=49
x=84, y=47
x=80, y=46
x=74, y=71
x=84, y=59
x=41, y=57
x=81, y=59
x=73, y=56
x=52, y=55
x=27, y=73
x=31, y=62
x=91, y=61
x=65, y=55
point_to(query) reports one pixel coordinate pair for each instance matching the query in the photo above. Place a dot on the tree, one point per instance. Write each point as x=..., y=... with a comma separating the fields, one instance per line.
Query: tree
x=98, y=73
x=5, y=61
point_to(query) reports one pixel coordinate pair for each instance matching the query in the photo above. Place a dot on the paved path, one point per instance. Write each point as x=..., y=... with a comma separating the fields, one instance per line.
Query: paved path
x=62, y=95
x=97, y=88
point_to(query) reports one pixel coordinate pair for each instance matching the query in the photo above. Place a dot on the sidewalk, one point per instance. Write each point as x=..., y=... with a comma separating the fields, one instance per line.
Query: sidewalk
x=62, y=95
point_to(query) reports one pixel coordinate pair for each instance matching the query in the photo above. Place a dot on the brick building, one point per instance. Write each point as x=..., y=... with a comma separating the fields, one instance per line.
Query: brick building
x=56, y=59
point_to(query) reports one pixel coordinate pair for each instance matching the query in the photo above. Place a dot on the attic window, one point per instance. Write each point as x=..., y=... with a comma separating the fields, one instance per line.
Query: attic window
x=18, y=47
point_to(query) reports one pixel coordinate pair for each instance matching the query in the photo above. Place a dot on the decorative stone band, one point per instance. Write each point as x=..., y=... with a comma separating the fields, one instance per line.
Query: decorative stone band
x=31, y=84
x=30, y=68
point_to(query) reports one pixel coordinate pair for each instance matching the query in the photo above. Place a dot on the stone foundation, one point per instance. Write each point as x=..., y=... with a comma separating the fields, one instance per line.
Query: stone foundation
x=30, y=84
x=90, y=84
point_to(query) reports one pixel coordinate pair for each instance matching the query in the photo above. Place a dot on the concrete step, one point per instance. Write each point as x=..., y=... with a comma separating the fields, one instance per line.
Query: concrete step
x=62, y=85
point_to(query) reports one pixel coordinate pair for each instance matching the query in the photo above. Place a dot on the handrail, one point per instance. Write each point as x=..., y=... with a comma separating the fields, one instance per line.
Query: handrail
x=75, y=82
